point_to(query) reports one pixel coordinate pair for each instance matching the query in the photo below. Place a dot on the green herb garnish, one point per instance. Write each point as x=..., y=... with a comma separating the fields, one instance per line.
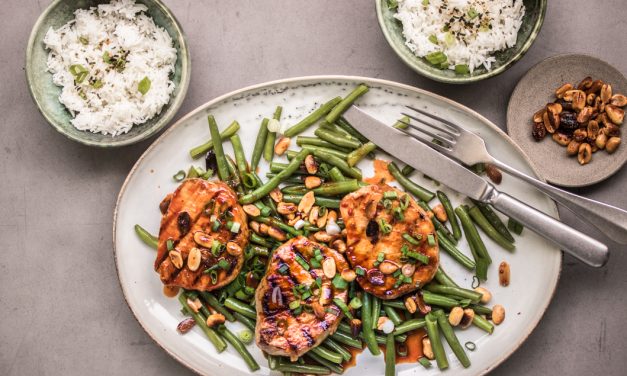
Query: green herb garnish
x=144, y=85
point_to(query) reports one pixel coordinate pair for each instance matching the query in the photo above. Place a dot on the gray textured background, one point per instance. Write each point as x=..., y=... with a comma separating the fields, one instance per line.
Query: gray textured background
x=61, y=308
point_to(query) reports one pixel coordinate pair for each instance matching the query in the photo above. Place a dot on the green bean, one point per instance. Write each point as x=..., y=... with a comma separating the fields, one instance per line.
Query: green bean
x=358, y=154
x=337, y=188
x=487, y=227
x=247, y=322
x=401, y=338
x=342, y=106
x=327, y=354
x=481, y=310
x=268, y=148
x=346, y=355
x=211, y=334
x=457, y=292
x=213, y=302
x=150, y=240
x=395, y=304
x=303, y=141
x=437, y=224
x=233, y=179
x=464, y=260
x=439, y=300
x=443, y=278
x=241, y=307
x=515, y=226
x=337, y=139
x=390, y=356
x=312, y=118
x=223, y=170
x=260, y=143
x=255, y=238
x=266, y=199
x=409, y=325
x=336, y=175
x=451, y=338
x=274, y=182
x=273, y=362
x=450, y=213
x=413, y=188
x=347, y=340
x=402, y=123
x=483, y=324
x=294, y=179
x=274, y=222
x=366, y=324
x=291, y=153
x=330, y=203
x=240, y=157
x=436, y=341
x=239, y=347
x=471, y=233
x=303, y=368
x=229, y=131
x=348, y=128
x=494, y=220
x=336, y=368
x=376, y=311
x=392, y=315
x=335, y=161
x=407, y=170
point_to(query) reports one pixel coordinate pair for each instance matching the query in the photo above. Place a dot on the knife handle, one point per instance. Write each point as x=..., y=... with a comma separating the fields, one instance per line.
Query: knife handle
x=581, y=246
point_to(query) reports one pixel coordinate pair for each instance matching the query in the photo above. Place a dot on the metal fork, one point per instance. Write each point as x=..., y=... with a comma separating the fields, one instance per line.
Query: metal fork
x=470, y=149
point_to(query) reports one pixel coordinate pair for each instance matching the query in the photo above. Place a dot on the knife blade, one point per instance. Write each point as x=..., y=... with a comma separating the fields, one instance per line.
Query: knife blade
x=454, y=175
x=418, y=155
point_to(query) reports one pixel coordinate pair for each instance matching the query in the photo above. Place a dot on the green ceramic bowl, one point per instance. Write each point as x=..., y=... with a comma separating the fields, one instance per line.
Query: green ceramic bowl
x=45, y=93
x=393, y=31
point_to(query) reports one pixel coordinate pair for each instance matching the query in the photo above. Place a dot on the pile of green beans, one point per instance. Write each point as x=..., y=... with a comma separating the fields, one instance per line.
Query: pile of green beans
x=199, y=151
x=411, y=187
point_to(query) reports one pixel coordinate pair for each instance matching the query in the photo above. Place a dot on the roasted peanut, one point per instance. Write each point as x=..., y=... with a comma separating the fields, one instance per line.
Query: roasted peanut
x=467, y=318
x=618, y=100
x=440, y=213
x=427, y=351
x=504, y=274
x=537, y=117
x=307, y=202
x=573, y=148
x=310, y=164
x=215, y=319
x=339, y=245
x=281, y=146
x=595, y=87
x=592, y=129
x=388, y=267
x=186, y=325
x=601, y=141
x=234, y=249
x=579, y=100
x=286, y=208
x=498, y=314
x=202, y=239
x=194, y=305
x=312, y=182
x=590, y=99
x=493, y=173
x=615, y=114
x=348, y=275
x=322, y=236
x=193, y=259
x=328, y=267
x=408, y=270
x=486, y=295
x=322, y=219
x=584, y=84
x=561, y=138
x=612, y=144
x=585, y=153
x=176, y=258
x=580, y=135
x=251, y=210
x=276, y=195
x=410, y=304
x=263, y=229
x=277, y=234
x=548, y=124
x=584, y=115
x=318, y=310
x=606, y=93
x=254, y=226
x=456, y=315
x=559, y=93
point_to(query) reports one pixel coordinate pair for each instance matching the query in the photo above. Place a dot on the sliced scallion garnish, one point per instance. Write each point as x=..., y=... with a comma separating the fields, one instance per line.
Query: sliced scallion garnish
x=144, y=85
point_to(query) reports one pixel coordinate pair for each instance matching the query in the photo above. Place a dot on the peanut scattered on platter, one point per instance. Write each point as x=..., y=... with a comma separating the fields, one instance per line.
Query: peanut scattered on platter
x=584, y=119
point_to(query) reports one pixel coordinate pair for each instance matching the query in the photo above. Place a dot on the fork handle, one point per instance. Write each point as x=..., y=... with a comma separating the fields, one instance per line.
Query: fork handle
x=610, y=220
x=581, y=246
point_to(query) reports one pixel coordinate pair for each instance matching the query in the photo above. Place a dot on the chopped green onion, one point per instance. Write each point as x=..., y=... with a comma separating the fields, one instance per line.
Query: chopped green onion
x=169, y=244
x=390, y=195
x=97, y=84
x=404, y=202
x=144, y=85
x=315, y=263
x=223, y=264
x=283, y=269
x=431, y=240
x=418, y=256
x=340, y=303
x=410, y=239
x=215, y=247
x=339, y=282
x=387, y=204
x=433, y=39
x=398, y=213
x=214, y=276
x=235, y=227
x=449, y=40
x=355, y=303
x=392, y=4
x=77, y=69
x=381, y=257
x=215, y=226
x=318, y=255
x=436, y=58
x=384, y=226
x=514, y=226
x=179, y=176
x=470, y=346
x=246, y=336
x=83, y=40
x=472, y=13
x=294, y=304
x=425, y=2
x=360, y=271
x=302, y=262
x=424, y=362
x=106, y=57
x=462, y=69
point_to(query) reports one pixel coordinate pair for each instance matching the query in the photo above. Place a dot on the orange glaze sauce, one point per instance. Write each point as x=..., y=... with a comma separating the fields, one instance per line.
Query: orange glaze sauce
x=354, y=352
x=170, y=291
x=381, y=173
x=414, y=347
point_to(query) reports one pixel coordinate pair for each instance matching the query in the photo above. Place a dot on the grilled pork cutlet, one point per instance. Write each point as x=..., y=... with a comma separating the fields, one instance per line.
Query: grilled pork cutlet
x=202, y=238
x=295, y=308
x=391, y=239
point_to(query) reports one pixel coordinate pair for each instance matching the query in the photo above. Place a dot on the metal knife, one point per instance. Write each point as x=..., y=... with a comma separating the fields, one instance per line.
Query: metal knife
x=454, y=175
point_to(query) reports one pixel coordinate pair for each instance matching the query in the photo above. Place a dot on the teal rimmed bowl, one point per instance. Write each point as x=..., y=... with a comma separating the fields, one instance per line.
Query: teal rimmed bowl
x=45, y=93
x=535, y=11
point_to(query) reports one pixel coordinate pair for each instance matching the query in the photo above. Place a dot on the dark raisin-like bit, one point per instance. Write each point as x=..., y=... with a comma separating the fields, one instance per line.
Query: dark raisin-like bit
x=184, y=222
x=372, y=231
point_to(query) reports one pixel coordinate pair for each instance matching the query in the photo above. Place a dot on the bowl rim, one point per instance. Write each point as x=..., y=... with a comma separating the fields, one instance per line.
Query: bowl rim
x=164, y=119
x=463, y=79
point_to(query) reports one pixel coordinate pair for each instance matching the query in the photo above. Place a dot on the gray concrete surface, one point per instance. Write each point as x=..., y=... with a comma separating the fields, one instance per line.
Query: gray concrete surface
x=61, y=308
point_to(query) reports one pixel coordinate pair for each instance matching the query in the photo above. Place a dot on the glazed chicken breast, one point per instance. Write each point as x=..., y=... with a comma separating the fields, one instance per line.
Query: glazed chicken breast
x=202, y=236
x=390, y=241
x=295, y=299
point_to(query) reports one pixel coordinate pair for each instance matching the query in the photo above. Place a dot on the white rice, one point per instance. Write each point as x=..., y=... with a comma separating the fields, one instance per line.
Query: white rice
x=116, y=29
x=469, y=40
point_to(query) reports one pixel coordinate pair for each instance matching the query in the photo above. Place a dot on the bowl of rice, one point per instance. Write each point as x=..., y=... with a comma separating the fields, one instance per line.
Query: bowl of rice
x=108, y=73
x=460, y=41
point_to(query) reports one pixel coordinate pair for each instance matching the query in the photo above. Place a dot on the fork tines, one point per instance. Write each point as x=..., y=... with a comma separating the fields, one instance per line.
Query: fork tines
x=443, y=131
